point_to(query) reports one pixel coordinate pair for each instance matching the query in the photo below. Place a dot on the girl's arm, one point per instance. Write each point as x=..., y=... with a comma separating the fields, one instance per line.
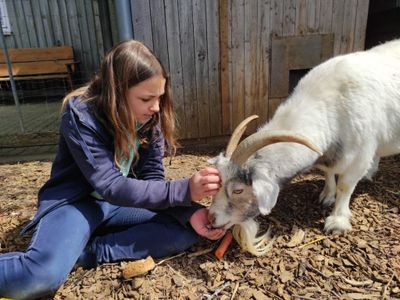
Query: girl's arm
x=150, y=167
x=95, y=160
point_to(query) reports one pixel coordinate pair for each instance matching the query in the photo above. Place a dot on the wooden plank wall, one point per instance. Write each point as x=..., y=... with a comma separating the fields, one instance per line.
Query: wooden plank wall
x=49, y=23
x=217, y=52
x=250, y=26
x=185, y=36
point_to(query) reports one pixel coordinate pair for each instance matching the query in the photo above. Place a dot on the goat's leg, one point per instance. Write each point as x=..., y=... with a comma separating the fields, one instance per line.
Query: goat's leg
x=327, y=196
x=339, y=219
x=373, y=168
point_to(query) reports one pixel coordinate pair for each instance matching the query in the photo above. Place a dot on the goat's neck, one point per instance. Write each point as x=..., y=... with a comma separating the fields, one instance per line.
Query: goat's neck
x=283, y=161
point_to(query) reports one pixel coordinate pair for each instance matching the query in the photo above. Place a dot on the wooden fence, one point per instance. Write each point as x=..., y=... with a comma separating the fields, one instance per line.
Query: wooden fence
x=219, y=53
x=76, y=23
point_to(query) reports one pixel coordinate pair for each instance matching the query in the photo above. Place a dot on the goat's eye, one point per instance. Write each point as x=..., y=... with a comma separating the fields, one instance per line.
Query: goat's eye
x=237, y=192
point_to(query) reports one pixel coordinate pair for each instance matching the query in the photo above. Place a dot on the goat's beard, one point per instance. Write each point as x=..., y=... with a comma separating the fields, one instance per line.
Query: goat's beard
x=245, y=234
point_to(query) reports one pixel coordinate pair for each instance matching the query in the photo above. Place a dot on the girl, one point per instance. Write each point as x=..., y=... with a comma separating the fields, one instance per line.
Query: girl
x=107, y=198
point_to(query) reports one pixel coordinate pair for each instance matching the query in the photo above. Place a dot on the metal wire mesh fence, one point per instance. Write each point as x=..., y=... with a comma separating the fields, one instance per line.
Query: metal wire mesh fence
x=40, y=102
x=34, y=126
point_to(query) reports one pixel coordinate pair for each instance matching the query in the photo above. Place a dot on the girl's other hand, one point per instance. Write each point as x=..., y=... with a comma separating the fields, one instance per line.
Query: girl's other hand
x=204, y=183
x=200, y=224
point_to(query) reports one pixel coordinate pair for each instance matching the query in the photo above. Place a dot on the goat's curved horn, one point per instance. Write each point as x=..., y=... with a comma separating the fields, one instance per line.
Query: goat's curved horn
x=237, y=134
x=261, y=139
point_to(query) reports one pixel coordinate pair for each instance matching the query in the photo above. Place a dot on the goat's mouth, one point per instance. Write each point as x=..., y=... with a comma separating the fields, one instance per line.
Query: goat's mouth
x=225, y=226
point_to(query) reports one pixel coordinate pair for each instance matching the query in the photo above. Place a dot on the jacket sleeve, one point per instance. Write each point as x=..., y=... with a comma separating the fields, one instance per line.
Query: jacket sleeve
x=182, y=213
x=151, y=167
x=95, y=160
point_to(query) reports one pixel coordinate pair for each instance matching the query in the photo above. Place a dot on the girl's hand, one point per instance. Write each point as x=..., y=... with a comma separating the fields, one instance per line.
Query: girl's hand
x=203, y=183
x=200, y=224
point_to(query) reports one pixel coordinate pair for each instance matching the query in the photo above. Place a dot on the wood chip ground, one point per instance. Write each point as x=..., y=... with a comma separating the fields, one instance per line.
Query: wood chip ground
x=303, y=264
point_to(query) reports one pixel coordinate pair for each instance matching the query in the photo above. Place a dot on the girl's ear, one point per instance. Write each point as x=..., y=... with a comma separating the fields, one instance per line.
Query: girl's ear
x=266, y=194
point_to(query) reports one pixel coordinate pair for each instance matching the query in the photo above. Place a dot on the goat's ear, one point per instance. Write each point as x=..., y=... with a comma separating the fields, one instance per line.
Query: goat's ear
x=219, y=159
x=213, y=160
x=266, y=194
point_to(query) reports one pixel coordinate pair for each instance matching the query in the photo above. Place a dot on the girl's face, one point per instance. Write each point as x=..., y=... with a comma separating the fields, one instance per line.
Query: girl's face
x=144, y=98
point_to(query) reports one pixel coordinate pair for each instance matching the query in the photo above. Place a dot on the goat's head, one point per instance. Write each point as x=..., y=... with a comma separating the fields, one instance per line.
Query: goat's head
x=246, y=192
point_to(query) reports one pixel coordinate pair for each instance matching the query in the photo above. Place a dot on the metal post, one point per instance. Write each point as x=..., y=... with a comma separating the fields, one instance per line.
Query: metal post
x=14, y=89
x=124, y=19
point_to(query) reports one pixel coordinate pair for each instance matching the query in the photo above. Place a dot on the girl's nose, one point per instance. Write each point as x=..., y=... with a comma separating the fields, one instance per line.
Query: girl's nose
x=156, y=106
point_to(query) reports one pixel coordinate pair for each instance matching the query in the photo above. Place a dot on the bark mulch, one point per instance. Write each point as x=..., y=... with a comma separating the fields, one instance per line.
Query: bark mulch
x=304, y=263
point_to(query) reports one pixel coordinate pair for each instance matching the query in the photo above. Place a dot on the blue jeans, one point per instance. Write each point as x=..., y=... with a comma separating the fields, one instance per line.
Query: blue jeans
x=111, y=233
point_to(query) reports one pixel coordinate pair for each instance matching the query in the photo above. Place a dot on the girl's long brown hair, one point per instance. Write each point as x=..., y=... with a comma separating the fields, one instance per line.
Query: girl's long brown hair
x=125, y=65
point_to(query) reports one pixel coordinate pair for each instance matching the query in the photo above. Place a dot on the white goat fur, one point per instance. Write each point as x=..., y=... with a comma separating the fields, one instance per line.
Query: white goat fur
x=349, y=107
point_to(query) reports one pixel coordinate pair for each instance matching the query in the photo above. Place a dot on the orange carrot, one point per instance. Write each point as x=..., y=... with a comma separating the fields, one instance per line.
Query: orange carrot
x=223, y=246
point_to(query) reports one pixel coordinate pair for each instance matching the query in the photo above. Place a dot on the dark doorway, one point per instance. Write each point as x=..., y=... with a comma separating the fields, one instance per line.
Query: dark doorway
x=294, y=78
x=383, y=22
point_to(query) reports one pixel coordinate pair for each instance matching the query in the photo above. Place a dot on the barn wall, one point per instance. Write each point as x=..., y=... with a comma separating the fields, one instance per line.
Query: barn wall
x=48, y=23
x=185, y=36
x=219, y=52
x=252, y=25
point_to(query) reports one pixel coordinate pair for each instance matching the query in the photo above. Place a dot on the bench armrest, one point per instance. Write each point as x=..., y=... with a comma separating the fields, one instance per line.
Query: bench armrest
x=71, y=65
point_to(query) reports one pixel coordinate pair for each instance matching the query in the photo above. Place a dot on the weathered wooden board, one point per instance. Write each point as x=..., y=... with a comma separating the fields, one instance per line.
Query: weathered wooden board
x=37, y=54
x=219, y=54
x=296, y=53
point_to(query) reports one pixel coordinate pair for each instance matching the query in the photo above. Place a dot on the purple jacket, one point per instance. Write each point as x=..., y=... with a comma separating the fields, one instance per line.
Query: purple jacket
x=85, y=162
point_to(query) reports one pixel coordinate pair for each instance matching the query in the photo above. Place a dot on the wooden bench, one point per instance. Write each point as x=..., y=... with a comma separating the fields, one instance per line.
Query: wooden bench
x=39, y=63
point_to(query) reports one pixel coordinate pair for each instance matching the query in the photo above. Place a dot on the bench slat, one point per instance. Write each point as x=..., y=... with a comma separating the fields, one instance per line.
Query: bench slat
x=39, y=63
x=37, y=54
x=53, y=76
x=41, y=67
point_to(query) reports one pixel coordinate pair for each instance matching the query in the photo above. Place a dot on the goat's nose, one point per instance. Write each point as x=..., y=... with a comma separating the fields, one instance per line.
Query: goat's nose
x=211, y=218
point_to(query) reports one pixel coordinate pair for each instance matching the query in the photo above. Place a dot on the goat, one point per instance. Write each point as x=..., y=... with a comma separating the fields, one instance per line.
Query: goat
x=343, y=115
